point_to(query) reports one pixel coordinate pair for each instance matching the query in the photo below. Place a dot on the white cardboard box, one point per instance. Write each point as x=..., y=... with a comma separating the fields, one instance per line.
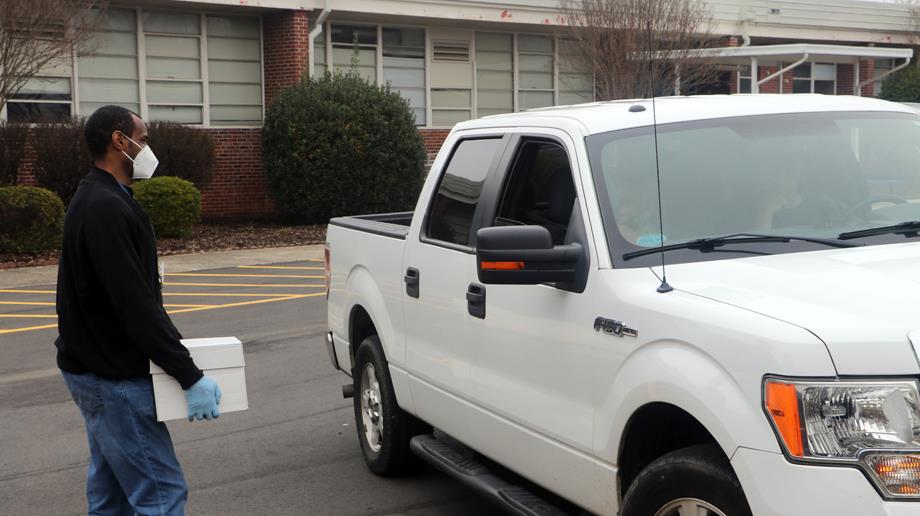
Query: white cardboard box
x=221, y=359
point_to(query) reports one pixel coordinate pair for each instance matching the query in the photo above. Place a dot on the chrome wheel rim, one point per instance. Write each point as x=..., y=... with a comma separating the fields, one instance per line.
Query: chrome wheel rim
x=689, y=507
x=371, y=408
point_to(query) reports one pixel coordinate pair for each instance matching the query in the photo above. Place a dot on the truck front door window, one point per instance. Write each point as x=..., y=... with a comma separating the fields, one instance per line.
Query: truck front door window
x=451, y=216
x=541, y=191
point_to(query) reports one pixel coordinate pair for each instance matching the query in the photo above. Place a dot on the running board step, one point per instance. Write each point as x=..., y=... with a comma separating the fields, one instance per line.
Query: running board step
x=463, y=466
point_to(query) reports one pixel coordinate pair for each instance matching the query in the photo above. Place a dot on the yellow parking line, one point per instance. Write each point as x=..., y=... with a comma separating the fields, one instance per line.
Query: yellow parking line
x=282, y=267
x=186, y=306
x=16, y=291
x=220, y=275
x=247, y=303
x=30, y=303
x=240, y=285
x=222, y=294
x=30, y=328
x=28, y=316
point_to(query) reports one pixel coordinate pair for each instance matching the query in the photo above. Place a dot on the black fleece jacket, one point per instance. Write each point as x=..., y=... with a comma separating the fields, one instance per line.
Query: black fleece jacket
x=111, y=318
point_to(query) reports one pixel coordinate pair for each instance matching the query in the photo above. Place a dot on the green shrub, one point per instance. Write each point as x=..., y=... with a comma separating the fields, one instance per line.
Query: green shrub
x=183, y=151
x=31, y=219
x=62, y=158
x=903, y=85
x=12, y=144
x=173, y=204
x=339, y=145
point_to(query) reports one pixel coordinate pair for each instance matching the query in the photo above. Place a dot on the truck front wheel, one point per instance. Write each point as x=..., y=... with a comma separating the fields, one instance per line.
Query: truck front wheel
x=696, y=480
x=384, y=430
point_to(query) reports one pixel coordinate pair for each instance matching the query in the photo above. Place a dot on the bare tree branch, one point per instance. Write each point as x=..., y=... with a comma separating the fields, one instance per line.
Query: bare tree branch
x=639, y=47
x=35, y=34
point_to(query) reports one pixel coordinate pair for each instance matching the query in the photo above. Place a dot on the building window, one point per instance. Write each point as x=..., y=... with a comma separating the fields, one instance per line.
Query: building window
x=354, y=45
x=815, y=78
x=575, y=86
x=882, y=66
x=450, y=106
x=744, y=79
x=194, y=68
x=461, y=73
x=536, y=73
x=43, y=98
x=172, y=50
x=107, y=68
x=452, y=95
x=404, y=66
x=319, y=54
x=234, y=70
x=494, y=73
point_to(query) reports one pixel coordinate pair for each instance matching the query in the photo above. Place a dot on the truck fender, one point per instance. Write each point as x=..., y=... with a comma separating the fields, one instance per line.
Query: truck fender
x=681, y=374
x=362, y=290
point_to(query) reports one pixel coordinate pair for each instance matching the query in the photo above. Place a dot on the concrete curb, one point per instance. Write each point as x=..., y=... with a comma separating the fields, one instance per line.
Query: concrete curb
x=47, y=275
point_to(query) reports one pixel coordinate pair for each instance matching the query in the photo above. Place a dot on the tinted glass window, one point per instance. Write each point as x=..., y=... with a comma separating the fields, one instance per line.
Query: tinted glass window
x=541, y=191
x=451, y=216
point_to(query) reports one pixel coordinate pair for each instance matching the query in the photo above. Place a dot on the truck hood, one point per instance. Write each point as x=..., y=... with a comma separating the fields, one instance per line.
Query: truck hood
x=862, y=302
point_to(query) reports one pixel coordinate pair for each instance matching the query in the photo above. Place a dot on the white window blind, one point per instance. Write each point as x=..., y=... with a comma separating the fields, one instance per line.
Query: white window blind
x=535, y=71
x=355, y=43
x=107, y=64
x=575, y=86
x=175, y=90
x=234, y=70
x=494, y=73
x=404, y=66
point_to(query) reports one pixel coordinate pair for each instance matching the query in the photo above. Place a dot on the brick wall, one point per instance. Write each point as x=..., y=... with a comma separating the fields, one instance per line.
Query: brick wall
x=238, y=188
x=286, y=37
x=433, y=139
x=845, y=73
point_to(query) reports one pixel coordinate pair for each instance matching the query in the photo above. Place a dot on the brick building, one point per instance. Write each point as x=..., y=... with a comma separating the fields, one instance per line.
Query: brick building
x=217, y=64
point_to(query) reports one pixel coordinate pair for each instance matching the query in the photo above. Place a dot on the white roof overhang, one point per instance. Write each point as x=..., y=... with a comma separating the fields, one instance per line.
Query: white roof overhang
x=770, y=55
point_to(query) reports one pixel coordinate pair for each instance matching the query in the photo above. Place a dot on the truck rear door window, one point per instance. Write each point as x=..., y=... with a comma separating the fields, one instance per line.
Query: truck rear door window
x=451, y=216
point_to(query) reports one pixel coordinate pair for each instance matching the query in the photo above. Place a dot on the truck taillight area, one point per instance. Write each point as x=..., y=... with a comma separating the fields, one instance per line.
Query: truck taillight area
x=326, y=268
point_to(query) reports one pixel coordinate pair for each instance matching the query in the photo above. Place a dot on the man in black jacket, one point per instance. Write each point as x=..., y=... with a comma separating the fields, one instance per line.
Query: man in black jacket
x=112, y=322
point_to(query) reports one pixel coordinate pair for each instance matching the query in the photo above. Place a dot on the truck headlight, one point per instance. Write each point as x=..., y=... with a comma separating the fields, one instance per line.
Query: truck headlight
x=872, y=424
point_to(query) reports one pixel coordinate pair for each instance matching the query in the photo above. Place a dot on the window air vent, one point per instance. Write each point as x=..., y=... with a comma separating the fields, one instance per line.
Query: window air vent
x=451, y=51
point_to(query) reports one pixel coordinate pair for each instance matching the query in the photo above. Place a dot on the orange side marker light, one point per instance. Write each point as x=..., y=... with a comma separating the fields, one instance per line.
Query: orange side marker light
x=501, y=266
x=783, y=406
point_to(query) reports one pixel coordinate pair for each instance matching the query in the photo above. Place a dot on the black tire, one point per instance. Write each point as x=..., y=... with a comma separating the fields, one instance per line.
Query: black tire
x=698, y=472
x=392, y=455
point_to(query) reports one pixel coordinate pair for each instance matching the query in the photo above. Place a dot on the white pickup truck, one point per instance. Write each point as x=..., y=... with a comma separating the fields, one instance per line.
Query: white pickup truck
x=516, y=330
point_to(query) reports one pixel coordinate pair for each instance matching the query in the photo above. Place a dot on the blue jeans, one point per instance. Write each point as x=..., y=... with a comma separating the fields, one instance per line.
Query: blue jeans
x=133, y=467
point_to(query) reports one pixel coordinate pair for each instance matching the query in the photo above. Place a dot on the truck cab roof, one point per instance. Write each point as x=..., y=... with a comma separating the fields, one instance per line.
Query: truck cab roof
x=601, y=117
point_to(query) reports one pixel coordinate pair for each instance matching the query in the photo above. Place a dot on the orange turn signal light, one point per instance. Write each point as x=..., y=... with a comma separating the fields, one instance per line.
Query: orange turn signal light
x=501, y=266
x=783, y=406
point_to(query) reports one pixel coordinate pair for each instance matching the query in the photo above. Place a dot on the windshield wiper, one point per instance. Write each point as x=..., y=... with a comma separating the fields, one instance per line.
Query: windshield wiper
x=706, y=245
x=908, y=229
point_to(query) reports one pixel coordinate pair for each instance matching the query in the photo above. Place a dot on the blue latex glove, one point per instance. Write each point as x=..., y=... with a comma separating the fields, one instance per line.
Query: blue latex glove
x=203, y=399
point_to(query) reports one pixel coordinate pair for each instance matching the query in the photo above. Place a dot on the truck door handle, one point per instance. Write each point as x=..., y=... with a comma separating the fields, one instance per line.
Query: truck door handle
x=412, y=282
x=476, y=300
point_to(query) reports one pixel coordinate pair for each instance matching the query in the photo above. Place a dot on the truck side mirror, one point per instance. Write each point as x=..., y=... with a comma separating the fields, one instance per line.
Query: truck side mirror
x=524, y=255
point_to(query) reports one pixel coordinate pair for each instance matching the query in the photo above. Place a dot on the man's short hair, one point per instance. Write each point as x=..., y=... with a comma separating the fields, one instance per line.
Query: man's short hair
x=102, y=123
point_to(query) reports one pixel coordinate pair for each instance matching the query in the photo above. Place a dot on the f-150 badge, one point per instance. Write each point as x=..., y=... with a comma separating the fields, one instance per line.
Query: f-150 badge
x=611, y=327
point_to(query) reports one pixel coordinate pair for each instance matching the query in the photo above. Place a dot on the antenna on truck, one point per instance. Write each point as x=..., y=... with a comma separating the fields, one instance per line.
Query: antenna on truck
x=664, y=287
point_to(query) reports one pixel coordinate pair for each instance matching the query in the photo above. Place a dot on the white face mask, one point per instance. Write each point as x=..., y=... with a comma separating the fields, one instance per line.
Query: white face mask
x=144, y=163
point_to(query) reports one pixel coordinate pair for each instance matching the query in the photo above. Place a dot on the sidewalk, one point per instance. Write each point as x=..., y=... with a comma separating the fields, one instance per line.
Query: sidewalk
x=47, y=275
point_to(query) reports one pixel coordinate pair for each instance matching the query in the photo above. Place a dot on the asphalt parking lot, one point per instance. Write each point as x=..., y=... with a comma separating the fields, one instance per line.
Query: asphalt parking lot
x=293, y=452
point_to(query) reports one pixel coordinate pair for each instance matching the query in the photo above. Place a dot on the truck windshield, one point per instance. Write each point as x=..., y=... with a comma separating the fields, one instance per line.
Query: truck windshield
x=801, y=174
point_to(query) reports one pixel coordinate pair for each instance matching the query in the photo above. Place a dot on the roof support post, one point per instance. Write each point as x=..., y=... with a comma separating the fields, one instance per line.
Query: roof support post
x=755, y=73
x=856, y=70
